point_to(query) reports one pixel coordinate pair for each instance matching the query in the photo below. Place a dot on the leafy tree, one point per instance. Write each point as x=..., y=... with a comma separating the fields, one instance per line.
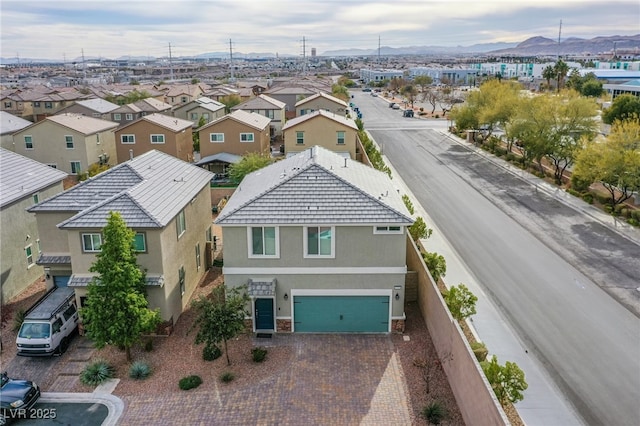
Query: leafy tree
x=229, y=102
x=116, y=311
x=461, y=302
x=249, y=163
x=592, y=88
x=423, y=82
x=196, y=135
x=615, y=163
x=549, y=73
x=195, y=81
x=623, y=107
x=561, y=68
x=395, y=84
x=419, y=230
x=129, y=98
x=507, y=381
x=410, y=93
x=431, y=96
x=436, y=264
x=220, y=317
x=340, y=92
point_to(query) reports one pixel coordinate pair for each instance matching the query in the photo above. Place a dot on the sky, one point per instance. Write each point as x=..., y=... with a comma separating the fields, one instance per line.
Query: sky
x=63, y=30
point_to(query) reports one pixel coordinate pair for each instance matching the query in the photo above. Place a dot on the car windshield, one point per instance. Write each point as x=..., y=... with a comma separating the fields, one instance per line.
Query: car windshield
x=35, y=330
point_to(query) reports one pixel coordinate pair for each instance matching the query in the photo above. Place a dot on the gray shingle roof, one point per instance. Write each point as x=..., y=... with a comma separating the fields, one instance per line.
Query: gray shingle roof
x=257, y=121
x=98, y=105
x=9, y=123
x=260, y=102
x=321, y=95
x=316, y=187
x=53, y=259
x=22, y=177
x=148, y=191
x=318, y=115
x=82, y=123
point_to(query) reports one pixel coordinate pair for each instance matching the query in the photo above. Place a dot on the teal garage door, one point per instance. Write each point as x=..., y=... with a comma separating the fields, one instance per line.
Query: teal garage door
x=341, y=314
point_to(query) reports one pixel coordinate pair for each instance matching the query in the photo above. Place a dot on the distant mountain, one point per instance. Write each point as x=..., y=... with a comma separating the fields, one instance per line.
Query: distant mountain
x=421, y=50
x=541, y=46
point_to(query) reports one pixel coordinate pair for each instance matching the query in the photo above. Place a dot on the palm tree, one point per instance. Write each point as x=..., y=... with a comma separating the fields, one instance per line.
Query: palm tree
x=548, y=73
x=561, y=69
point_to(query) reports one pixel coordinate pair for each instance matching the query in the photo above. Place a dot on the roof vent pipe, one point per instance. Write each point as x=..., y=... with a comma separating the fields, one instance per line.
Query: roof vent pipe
x=130, y=154
x=345, y=162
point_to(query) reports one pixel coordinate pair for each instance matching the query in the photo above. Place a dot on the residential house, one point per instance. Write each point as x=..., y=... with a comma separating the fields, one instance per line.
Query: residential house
x=321, y=101
x=69, y=142
x=15, y=104
x=237, y=133
x=320, y=242
x=97, y=108
x=168, y=134
x=49, y=104
x=218, y=93
x=23, y=183
x=134, y=111
x=9, y=124
x=329, y=130
x=290, y=96
x=269, y=107
x=164, y=200
x=180, y=94
x=201, y=108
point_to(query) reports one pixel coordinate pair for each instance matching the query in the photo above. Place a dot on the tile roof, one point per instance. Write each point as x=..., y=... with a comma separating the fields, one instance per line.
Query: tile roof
x=53, y=259
x=83, y=280
x=148, y=191
x=98, y=105
x=257, y=121
x=21, y=177
x=82, y=123
x=288, y=90
x=331, y=116
x=9, y=123
x=168, y=122
x=316, y=186
x=260, y=102
x=321, y=95
x=152, y=105
x=225, y=157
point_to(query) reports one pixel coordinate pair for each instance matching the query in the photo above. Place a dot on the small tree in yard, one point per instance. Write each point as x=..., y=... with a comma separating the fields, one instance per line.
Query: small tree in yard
x=220, y=317
x=419, y=230
x=461, y=302
x=249, y=163
x=116, y=311
x=507, y=381
x=436, y=264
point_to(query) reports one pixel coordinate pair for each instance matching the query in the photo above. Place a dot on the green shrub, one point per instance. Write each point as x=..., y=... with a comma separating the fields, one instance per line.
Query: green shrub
x=139, y=370
x=437, y=115
x=608, y=208
x=211, y=352
x=635, y=214
x=227, y=377
x=408, y=203
x=18, y=319
x=579, y=184
x=480, y=351
x=633, y=222
x=434, y=413
x=573, y=192
x=500, y=152
x=461, y=302
x=148, y=345
x=624, y=212
x=258, y=354
x=97, y=372
x=510, y=157
x=190, y=382
x=507, y=381
x=436, y=264
x=588, y=198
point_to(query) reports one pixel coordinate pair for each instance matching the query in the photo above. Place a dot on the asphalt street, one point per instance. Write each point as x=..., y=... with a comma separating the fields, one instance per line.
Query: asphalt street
x=563, y=282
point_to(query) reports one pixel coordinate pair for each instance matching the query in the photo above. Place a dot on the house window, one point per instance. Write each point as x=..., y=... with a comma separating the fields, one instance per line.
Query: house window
x=8, y=105
x=28, y=251
x=181, y=275
x=263, y=241
x=97, y=138
x=36, y=198
x=91, y=242
x=128, y=117
x=198, y=257
x=96, y=114
x=28, y=142
x=205, y=115
x=127, y=139
x=140, y=242
x=246, y=137
x=157, y=138
x=208, y=235
x=48, y=105
x=36, y=104
x=216, y=137
x=38, y=246
x=340, y=137
x=68, y=140
x=183, y=99
x=117, y=117
x=319, y=241
x=299, y=138
x=269, y=113
x=194, y=116
x=181, y=224
x=387, y=229
x=75, y=167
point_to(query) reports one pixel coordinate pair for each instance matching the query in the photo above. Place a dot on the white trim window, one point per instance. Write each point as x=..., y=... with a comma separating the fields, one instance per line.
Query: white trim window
x=91, y=243
x=117, y=117
x=216, y=137
x=68, y=140
x=299, y=138
x=194, y=116
x=392, y=229
x=340, y=136
x=128, y=117
x=246, y=137
x=76, y=168
x=263, y=241
x=127, y=139
x=157, y=138
x=269, y=113
x=198, y=257
x=181, y=223
x=28, y=142
x=140, y=242
x=319, y=241
x=28, y=252
x=181, y=280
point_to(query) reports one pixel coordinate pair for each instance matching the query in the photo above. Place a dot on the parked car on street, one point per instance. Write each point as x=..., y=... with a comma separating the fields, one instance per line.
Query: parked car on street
x=366, y=89
x=17, y=397
x=407, y=113
x=395, y=106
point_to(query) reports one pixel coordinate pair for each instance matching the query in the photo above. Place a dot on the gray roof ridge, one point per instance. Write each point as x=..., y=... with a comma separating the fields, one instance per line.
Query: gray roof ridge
x=85, y=183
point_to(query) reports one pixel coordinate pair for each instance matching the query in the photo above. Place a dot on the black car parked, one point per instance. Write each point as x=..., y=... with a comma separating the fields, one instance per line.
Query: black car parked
x=17, y=398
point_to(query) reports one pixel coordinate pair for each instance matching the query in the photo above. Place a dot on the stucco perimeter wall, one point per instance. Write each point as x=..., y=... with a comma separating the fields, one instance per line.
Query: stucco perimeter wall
x=472, y=391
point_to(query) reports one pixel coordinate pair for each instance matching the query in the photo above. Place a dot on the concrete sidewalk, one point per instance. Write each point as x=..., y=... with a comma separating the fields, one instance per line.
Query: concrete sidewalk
x=543, y=404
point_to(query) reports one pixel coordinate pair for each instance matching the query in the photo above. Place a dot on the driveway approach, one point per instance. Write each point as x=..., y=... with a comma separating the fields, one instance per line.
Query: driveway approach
x=332, y=379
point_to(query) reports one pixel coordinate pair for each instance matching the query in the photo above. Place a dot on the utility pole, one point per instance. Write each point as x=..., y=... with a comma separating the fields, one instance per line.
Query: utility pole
x=84, y=69
x=233, y=79
x=379, y=63
x=559, y=34
x=170, y=64
x=304, y=56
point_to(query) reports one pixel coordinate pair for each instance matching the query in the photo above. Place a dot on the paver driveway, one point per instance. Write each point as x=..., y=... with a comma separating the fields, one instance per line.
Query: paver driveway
x=332, y=380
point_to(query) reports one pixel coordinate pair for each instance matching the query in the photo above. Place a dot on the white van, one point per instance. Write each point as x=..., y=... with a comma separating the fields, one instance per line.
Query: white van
x=48, y=324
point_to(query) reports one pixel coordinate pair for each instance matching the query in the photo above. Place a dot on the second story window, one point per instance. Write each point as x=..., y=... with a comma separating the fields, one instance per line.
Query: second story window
x=117, y=117
x=194, y=116
x=36, y=104
x=28, y=251
x=319, y=241
x=140, y=242
x=340, y=138
x=28, y=142
x=181, y=223
x=127, y=139
x=269, y=113
x=36, y=198
x=48, y=105
x=128, y=117
x=263, y=241
x=68, y=140
x=300, y=138
x=246, y=137
x=216, y=137
x=157, y=138
x=91, y=243
x=8, y=105
x=184, y=99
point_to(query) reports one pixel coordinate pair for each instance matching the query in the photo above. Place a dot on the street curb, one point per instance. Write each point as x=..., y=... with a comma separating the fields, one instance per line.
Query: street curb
x=114, y=404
